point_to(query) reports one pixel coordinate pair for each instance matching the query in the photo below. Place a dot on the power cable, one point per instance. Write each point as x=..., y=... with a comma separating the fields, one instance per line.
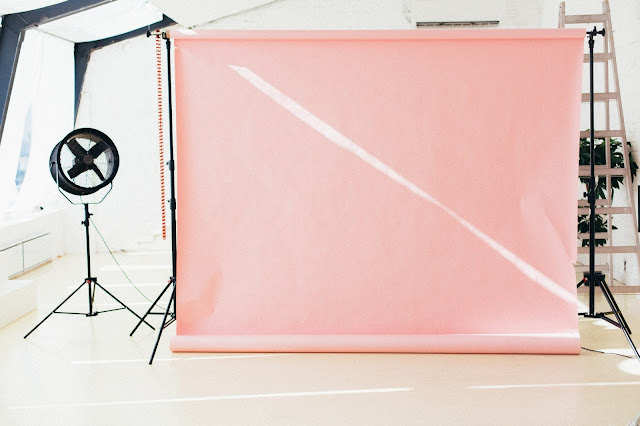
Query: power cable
x=116, y=260
x=606, y=353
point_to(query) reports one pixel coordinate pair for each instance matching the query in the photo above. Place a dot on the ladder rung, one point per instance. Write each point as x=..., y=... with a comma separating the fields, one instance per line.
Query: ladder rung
x=599, y=97
x=599, y=235
x=607, y=210
x=585, y=19
x=609, y=249
x=581, y=268
x=599, y=57
x=601, y=133
x=599, y=202
x=585, y=171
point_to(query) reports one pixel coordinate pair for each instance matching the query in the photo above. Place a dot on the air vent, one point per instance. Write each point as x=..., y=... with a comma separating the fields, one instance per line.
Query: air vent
x=458, y=24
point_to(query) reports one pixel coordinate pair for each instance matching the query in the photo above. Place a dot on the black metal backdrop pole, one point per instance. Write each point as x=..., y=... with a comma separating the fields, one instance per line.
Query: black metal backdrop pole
x=172, y=202
x=92, y=285
x=90, y=281
x=169, y=315
x=595, y=278
x=592, y=181
x=87, y=215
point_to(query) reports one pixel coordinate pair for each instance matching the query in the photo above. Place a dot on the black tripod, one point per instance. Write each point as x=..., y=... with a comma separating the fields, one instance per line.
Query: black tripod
x=169, y=315
x=595, y=278
x=92, y=284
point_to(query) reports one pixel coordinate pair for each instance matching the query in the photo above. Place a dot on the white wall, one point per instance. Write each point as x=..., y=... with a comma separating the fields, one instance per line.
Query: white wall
x=510, y=14
x=318, y=14
x=119, y=99
x=202, y=11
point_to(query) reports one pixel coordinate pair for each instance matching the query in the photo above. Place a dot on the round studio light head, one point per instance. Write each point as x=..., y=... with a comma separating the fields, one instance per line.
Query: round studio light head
x=84, y=161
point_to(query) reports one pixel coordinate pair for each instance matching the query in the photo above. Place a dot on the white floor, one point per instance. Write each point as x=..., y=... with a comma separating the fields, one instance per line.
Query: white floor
x=75, y=370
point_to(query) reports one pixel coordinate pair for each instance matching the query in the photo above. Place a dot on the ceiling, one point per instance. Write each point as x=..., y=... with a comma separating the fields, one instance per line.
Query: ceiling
x=15, y=6
x=101, y=22
x=112, y=18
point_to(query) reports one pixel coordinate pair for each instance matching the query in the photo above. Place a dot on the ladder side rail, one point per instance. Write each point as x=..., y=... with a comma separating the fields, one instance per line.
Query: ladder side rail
x=625, y=149
x=607, y=141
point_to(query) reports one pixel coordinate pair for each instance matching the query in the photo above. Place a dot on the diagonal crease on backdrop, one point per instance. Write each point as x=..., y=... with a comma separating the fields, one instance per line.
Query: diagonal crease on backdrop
x=345, y=143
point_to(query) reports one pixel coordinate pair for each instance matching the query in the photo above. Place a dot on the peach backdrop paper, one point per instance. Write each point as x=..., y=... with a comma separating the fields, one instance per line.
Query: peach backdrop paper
x=380, y=191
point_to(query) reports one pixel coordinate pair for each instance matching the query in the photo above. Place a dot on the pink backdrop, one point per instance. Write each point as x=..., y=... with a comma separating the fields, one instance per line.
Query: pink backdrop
x=385, y=191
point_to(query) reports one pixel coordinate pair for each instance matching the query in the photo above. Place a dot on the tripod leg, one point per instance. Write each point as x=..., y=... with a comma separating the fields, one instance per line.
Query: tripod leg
x=92, y=295
x=164, y=321
x=123, y=305
x=175, y=311
x=618, y=314
x=155, y=302
x=56, y=308
x=614, y=306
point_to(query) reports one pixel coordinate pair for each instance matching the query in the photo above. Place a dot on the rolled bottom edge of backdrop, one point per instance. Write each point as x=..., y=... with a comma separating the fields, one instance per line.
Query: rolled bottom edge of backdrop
x=550, y=343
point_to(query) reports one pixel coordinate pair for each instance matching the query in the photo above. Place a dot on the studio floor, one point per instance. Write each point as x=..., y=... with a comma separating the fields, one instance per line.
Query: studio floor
x=75, y=370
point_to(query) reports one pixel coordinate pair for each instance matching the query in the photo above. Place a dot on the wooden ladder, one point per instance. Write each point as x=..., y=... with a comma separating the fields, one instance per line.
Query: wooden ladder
x=611, y=94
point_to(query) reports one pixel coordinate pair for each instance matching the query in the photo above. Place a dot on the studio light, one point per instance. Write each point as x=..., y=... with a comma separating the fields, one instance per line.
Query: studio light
x=82, y=163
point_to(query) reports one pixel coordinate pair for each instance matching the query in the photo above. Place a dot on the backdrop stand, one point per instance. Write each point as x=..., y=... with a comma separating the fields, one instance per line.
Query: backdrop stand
x=595, y=278
x=92, y=285
x=169, y=315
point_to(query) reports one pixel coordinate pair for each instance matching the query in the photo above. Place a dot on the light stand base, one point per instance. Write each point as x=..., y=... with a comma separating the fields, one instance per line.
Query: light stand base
x=597, y=280
x=92, y=284
x=169, y=315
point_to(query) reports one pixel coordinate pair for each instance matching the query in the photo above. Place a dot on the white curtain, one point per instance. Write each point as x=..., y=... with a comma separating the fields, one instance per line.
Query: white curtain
x=40, y=114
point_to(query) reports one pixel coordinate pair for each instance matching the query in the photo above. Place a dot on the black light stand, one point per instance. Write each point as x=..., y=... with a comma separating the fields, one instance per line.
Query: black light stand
x=92, y=284
x=596, y=278
x=169, y=315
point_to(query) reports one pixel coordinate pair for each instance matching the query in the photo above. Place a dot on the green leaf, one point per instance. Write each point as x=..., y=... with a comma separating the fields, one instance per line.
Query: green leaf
x=617, y=161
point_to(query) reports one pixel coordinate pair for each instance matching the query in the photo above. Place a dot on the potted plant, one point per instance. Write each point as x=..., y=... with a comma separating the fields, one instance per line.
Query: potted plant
x=617, y=161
